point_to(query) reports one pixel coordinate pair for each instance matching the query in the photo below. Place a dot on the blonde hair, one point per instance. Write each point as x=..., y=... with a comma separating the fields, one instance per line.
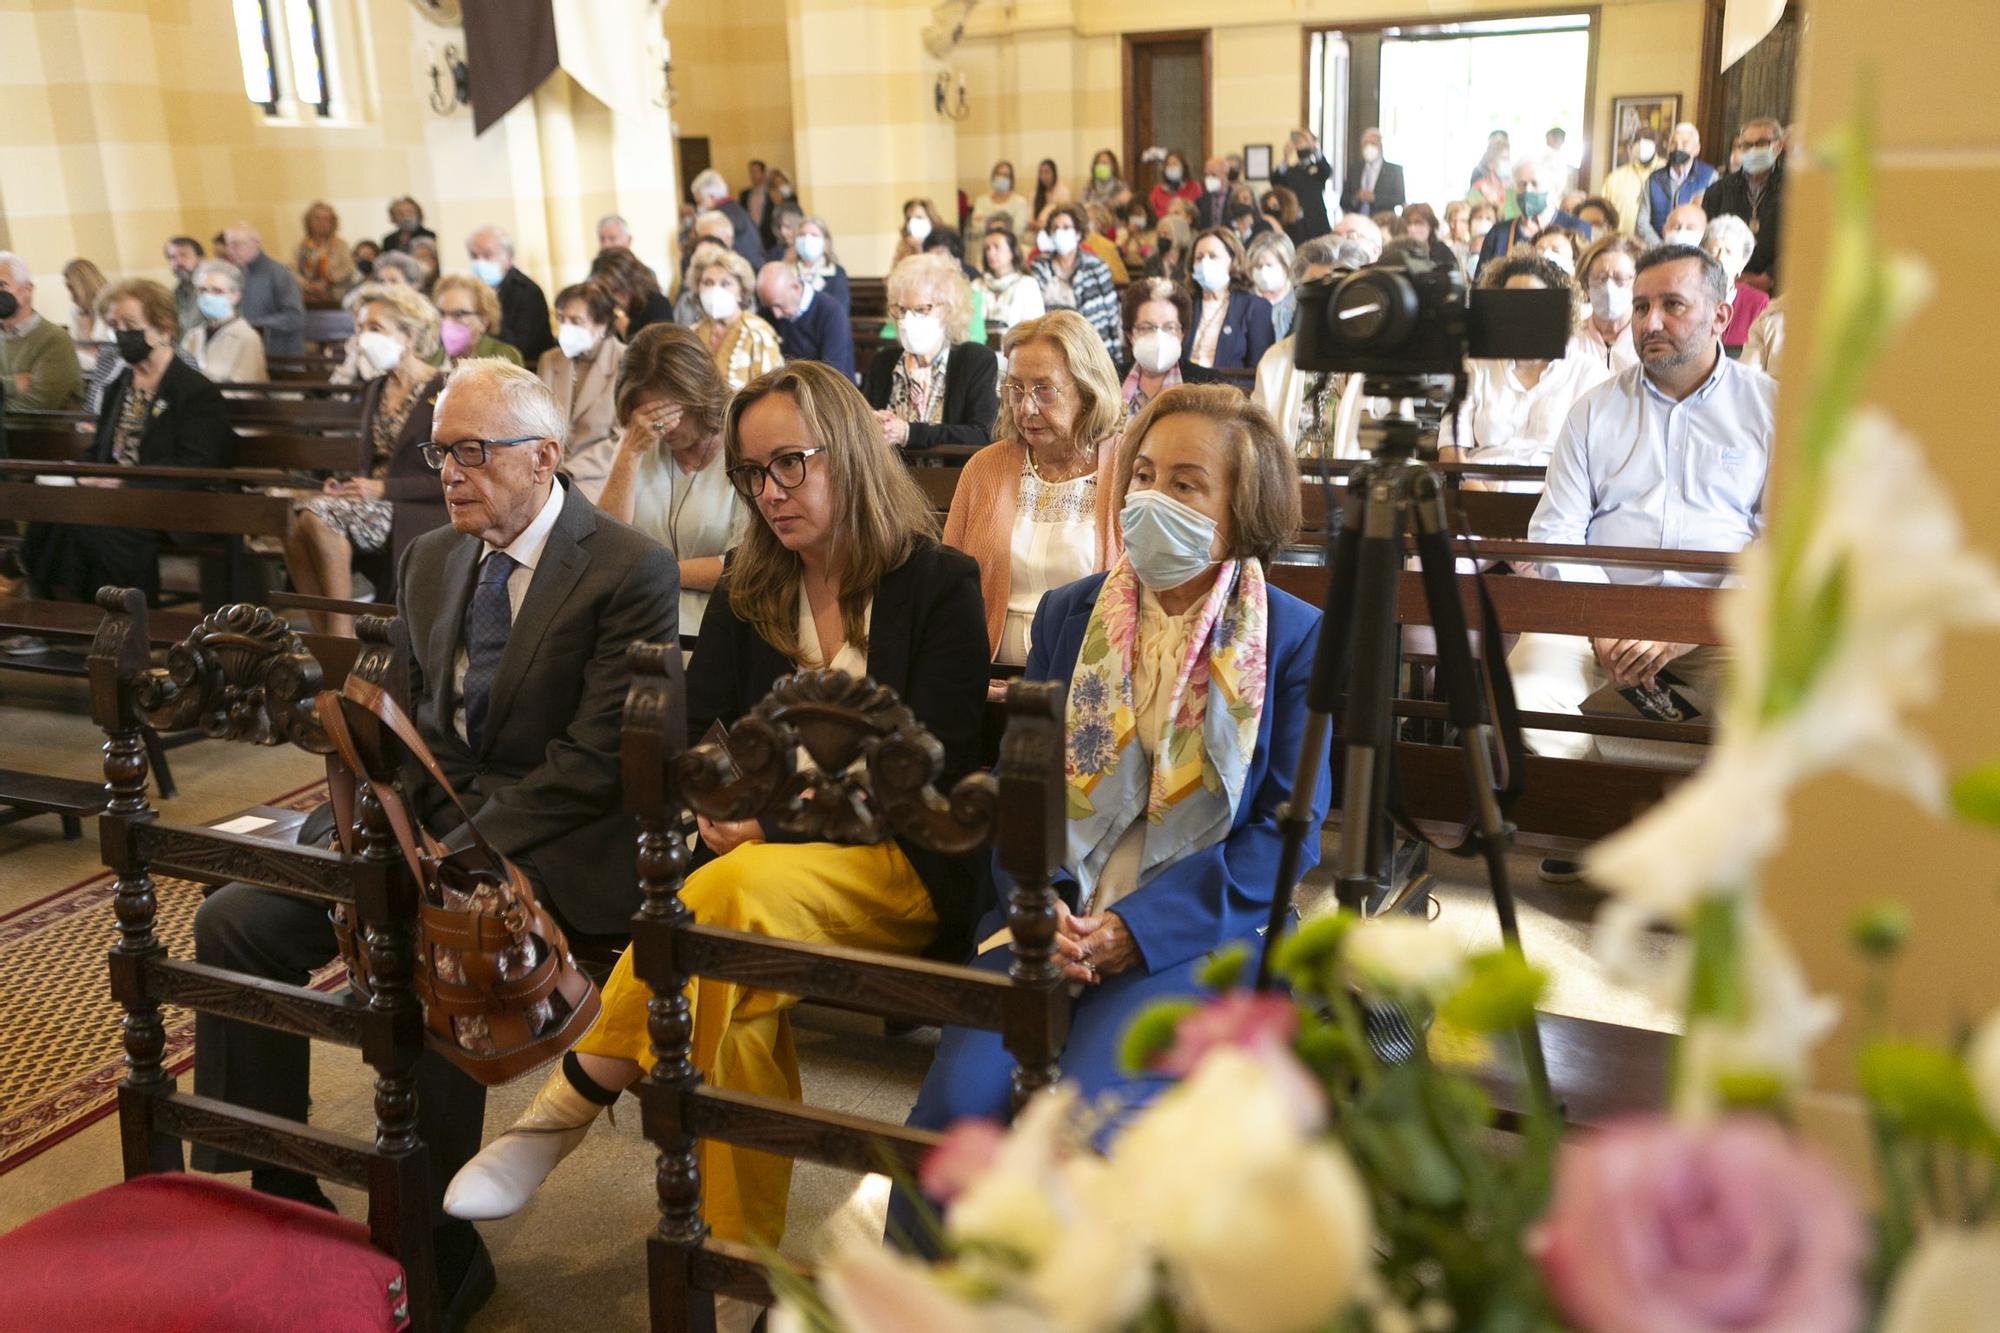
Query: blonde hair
x=739, y=272
x=156, y=304
x=939, y=273
x=87, y=278
x=416, y=317
x=1264, y=493
x=878, y=508
x=671, y=360
x=332, y=219
x=484, y=302
x=1088, y=363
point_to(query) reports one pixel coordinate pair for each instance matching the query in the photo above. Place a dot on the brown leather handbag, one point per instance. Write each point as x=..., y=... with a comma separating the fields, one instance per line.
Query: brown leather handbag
x=500, y=992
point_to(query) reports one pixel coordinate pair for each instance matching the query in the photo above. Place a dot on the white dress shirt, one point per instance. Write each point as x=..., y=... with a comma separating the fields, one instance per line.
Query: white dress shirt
x=1506, y=421
x=1633, y=467
x=526, y=551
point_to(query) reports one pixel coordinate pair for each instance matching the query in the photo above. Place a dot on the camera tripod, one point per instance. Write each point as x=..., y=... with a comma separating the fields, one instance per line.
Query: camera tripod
x=1354, y=674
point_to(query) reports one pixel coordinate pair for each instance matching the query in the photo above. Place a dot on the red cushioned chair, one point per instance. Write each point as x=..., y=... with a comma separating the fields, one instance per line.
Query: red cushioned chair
x=167, y=1251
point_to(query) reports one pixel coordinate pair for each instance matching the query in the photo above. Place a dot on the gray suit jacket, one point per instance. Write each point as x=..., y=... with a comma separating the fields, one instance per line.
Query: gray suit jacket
x=544, y=784
x=272, y=306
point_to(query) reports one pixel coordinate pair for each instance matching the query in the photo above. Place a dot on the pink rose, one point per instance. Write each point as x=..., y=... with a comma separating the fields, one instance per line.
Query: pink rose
x=965, y=1154
x=1658, y=1227
x=1261, y=1024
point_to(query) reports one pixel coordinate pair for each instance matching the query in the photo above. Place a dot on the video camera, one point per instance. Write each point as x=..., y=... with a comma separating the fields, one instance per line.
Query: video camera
x=1407, y=316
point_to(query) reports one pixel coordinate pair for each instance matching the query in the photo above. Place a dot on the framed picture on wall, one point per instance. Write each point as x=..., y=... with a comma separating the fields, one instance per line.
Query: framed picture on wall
x=1658, y=112
x=1257, y=161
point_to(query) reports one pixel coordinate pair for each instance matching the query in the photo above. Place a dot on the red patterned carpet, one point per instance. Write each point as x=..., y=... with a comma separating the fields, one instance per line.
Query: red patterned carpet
x=60, y=1056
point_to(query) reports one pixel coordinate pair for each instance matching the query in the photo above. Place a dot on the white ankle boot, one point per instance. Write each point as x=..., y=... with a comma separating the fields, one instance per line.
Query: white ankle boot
x=508, y=1170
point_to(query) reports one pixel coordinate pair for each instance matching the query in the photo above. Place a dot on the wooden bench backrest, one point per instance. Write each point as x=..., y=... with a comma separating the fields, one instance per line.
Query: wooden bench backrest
x=242, y=676
x=835, y=720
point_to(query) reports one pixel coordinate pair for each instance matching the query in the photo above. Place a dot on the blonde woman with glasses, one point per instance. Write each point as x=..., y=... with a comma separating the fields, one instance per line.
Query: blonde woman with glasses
x=932, y=386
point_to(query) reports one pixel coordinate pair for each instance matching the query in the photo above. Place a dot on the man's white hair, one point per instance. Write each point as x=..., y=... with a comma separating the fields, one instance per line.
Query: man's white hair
x=1732, y=233
x=244, y=228
x=709, y=185
x=497, y=233
x=223, y=269
x=531, y=409
x=715, y=217
x=622, y=224
x=17, y=267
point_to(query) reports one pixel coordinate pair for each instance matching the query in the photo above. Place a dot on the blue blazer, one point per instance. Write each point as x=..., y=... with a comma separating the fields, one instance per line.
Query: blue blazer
x=821, y=333
x=1222, y=892
x=1246, y=331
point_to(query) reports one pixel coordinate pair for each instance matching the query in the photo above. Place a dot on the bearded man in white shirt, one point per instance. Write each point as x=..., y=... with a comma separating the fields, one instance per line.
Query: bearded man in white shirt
x=1671, y=454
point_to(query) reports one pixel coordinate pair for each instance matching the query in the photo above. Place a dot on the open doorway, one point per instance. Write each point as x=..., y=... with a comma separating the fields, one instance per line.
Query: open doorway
x=1437, y=90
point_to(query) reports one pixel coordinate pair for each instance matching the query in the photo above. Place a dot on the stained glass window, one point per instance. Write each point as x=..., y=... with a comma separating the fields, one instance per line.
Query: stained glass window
x=253, y=46
x=308, y=67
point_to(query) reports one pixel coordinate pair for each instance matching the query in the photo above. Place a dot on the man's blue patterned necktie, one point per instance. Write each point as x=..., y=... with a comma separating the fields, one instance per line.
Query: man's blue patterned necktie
x=488, y=618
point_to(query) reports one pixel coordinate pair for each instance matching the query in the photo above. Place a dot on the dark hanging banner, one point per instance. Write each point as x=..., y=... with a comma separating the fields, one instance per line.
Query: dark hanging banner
x=510, y=46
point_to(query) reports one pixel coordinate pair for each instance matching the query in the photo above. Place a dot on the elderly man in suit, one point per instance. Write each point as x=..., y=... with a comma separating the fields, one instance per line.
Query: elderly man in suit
x=1377, y=188
x=524, y=307
x=519, y=616
x=810, y=326
x=271, y=303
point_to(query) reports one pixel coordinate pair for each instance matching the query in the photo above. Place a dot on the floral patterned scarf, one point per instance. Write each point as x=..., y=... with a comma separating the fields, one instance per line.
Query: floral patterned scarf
x=1189, y=793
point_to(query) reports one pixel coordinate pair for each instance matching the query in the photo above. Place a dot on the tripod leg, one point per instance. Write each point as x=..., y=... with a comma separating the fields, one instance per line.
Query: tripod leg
x=1368, y=717
x=1329, y=679
x=1459, y=681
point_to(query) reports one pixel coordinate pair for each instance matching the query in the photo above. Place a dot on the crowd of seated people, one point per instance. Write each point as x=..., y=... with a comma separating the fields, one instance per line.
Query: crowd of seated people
x=1134, y=472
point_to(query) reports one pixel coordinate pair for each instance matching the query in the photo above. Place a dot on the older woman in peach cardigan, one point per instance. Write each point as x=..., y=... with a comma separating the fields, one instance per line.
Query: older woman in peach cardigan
x=1034, y=507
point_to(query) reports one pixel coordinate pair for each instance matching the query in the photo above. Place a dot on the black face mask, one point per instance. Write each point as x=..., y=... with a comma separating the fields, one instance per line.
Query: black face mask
x=132, y=345
x=9, y=307
x=1678, y=158
x=364, y=266
x=1234, y=173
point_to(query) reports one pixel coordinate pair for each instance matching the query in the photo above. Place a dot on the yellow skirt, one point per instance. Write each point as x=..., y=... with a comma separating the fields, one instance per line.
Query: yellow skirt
x=820, y=893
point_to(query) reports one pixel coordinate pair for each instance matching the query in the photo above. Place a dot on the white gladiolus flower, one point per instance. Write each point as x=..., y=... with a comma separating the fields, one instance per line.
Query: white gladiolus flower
x=1982, y=1062
x=1949, y=1284
x=1783, y=1021
x=1401, y=955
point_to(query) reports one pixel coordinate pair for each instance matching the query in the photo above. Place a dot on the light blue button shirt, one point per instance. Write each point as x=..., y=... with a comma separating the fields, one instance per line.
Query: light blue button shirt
x=1632, y=467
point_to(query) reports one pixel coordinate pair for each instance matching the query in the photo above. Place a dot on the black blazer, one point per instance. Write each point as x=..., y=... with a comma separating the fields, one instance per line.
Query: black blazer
x=971, y=394
x=658, y=310
x=408, y=482
x=544, y=784
x=927, y=642
x=1388, y=189
x=188, y=426
x=524, y=317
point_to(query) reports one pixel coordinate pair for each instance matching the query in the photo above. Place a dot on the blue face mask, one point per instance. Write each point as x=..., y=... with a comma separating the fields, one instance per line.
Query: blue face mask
x=1167, y=542
x=487, y=271
x=1533, y=202
x=214, y=306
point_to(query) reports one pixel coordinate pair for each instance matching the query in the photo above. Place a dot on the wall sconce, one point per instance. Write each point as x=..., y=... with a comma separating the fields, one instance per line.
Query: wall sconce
x=461, y=81
x=668, y=98
x=941, y=96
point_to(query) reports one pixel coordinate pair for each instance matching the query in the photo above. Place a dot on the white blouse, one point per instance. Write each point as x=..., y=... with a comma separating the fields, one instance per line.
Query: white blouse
x=848, y=658
x=691, y=514
x=1505, y=421
x=1055, y=542
x=1011, y=299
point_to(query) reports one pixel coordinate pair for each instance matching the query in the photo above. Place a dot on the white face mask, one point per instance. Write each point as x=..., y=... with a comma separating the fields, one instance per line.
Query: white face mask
x=1681, y=236
x=1480, y=228
x=1065, y=241
x=1611, y=300
x=575, y=340
x=1044, y=242
x=1732, y=264
x=810, y=246
x=1155, y=352
x=380, y=351
x=1371, y=153
x=1561, y=259
x=1212, y=273
x=1213, y=184
x=1644, y=151
x=720, y=302
x=1269, y=278
x=921, y=335
x=919, y=228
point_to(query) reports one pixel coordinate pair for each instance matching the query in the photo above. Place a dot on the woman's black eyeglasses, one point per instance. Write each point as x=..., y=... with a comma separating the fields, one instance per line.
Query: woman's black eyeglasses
x=468, y=453
x=787, y=469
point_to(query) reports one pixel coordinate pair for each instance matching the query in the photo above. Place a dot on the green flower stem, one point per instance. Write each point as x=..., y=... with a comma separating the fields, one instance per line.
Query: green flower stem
x=1715, y=987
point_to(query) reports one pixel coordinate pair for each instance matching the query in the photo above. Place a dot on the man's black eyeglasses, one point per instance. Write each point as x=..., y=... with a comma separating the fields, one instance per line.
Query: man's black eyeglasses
x=468, y=453
x=787, y=469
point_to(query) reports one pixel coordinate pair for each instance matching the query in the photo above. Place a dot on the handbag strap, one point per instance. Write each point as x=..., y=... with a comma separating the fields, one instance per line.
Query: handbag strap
x=333, y=719
x=372, y=697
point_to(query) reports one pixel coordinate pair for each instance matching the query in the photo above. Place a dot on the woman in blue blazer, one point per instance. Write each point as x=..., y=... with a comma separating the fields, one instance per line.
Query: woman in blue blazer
x=1232, y=324
x=1163, y=867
